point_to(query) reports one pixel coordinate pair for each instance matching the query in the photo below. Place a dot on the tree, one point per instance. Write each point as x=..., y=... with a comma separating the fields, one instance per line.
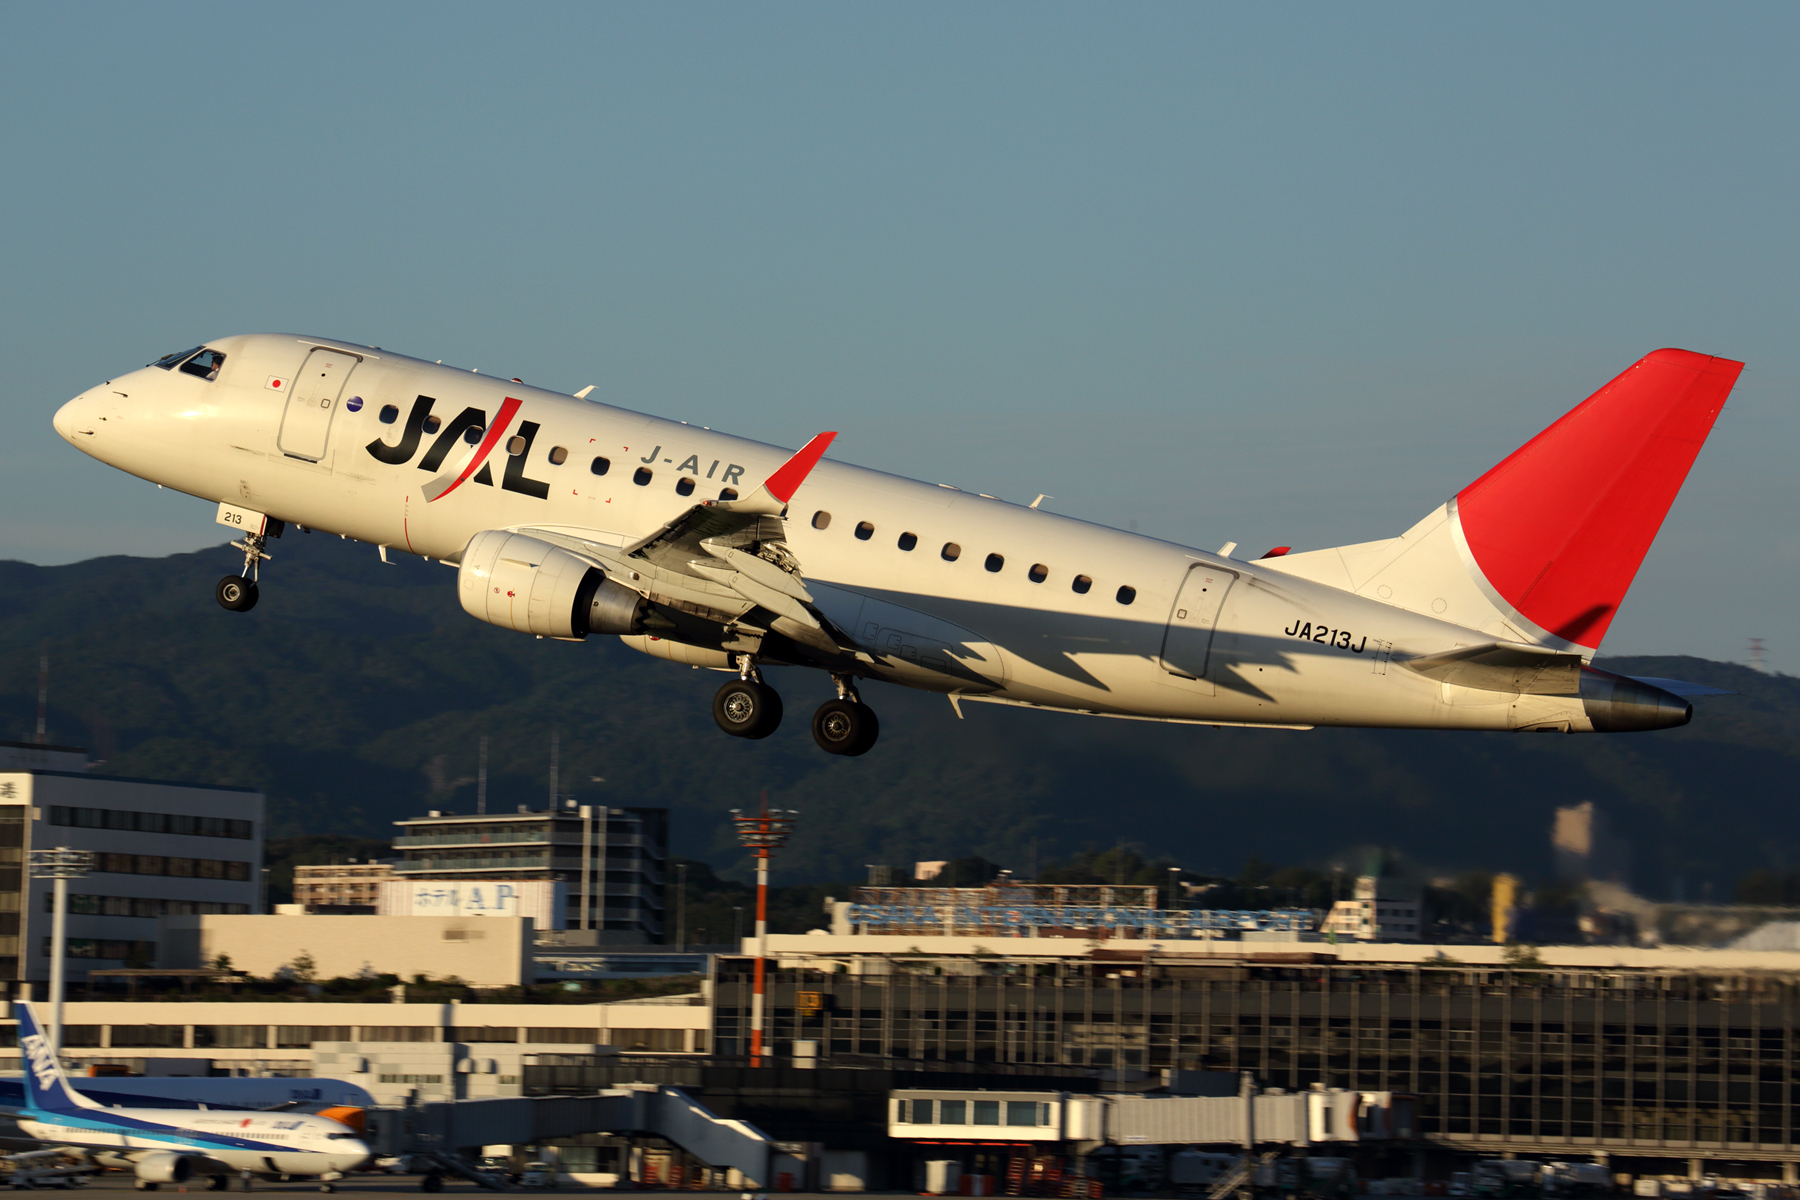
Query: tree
x=304, y=968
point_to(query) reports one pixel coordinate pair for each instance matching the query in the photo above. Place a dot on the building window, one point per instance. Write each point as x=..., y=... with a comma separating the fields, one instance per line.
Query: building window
x=149, y=1036
x=399, y=1033
x=299, y=1037
x=987, y=1112
x=564, y=1036
x=483, y=1033
x=151, y=822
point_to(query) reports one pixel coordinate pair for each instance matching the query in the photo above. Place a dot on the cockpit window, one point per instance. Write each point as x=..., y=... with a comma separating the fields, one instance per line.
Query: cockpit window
x=205, y=364
x=168, y=362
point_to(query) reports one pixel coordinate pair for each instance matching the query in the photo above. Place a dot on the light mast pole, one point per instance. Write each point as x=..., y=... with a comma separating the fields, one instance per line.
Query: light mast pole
x=764, y=833
x=59, y=865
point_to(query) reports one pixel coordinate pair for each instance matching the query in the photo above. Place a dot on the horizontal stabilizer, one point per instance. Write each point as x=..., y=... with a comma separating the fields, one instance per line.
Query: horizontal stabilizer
x=1503, y=667
x=1681, y=687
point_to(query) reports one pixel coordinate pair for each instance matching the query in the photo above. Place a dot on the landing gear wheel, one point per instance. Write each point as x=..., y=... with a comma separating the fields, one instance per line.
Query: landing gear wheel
x=747, y=709
x=328, y=1187
x=143, y=1186
x=236, y=593
x=218, y=1183
x=847, y=727
x=432, y=1183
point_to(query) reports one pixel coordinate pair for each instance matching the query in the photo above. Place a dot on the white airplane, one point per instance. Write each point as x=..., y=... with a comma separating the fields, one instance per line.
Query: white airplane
x=566, y=518
x=163, y=1145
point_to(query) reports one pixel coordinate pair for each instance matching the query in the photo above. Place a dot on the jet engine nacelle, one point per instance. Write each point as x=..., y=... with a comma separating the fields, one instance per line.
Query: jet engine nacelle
x=524, y=583
x=164, y=1166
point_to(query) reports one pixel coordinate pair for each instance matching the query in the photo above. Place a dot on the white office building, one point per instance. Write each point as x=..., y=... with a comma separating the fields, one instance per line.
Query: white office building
x=160, y=849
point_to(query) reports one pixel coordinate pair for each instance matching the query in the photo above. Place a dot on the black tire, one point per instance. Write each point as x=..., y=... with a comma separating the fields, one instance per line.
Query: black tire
x=432, y=1183
x=846, y=727
x=218, y=1183
x=747, y=709
x=235, y=593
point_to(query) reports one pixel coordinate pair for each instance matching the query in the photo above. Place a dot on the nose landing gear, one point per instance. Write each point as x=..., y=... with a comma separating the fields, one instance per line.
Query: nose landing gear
x=238, y=592
x=747, y=707
x=846, y=725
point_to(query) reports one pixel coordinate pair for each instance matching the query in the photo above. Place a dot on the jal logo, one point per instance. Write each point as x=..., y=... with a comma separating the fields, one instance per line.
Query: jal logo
x=469, y=428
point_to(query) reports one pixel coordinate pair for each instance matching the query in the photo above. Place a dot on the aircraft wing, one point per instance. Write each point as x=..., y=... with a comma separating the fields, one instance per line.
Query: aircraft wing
x=1503, y=667
x=724, y=559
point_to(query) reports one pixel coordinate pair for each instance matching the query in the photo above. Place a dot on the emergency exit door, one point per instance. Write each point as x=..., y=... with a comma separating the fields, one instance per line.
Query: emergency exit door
x=1187, y=642
x=306, y=425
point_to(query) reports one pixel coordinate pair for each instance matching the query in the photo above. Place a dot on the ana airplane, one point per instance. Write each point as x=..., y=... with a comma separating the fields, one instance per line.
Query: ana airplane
x=163, y=1145
x=566, y=518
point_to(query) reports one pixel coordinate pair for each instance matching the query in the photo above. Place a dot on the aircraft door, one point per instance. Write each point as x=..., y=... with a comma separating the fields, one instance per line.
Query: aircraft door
x=306, y=424
x=1187, y=643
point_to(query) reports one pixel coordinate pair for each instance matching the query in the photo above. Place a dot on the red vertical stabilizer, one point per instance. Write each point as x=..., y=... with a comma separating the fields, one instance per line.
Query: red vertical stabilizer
x=1560, y=528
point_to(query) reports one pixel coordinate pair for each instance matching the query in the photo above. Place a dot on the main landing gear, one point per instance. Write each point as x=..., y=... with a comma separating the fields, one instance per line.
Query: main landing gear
x=747, y=707
x=846, y=725
x=238, y=592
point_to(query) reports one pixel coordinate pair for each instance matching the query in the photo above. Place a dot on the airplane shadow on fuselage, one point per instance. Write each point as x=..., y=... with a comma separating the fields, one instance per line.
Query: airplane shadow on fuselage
x=1052, y=640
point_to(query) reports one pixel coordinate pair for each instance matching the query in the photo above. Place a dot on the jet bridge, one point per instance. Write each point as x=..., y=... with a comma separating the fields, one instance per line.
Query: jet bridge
x=444, y=1130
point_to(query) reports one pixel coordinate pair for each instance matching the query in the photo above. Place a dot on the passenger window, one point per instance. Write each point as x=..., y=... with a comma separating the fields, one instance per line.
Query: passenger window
x=515, y=445
x=1082, y=584
x=389, y=414
x=205, y=365
x=728, y=493
x=643, y=477
x=167, y=362
x=995, y=562
x=908, y=540
x=473, y=434
x=951, y=551
x=684, y=486
x=432, y=424
x=559, y=455
x=600, y=466
x=864, y=531
x=1127, y=595
x=821, y=519
x=1038, y=573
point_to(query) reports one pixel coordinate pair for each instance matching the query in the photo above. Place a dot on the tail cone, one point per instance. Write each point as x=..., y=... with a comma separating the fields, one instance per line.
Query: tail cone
x=1616, y=704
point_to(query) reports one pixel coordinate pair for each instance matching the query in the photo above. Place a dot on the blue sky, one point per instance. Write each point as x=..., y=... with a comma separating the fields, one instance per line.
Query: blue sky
x=1272, y=274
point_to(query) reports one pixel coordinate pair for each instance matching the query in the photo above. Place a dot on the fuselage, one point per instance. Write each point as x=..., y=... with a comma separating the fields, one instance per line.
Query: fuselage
x=944, y=589
x=283, y=1143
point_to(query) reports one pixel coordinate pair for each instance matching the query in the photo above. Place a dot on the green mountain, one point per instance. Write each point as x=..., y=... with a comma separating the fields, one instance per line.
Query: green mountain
x=356, y=693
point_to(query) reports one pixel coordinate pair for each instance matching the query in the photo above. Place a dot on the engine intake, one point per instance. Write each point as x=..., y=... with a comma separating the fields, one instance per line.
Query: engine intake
x=164, y=1166
x=525, y=583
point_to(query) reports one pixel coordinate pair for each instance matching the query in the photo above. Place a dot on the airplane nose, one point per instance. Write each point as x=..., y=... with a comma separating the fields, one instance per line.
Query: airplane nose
x=73, y=418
